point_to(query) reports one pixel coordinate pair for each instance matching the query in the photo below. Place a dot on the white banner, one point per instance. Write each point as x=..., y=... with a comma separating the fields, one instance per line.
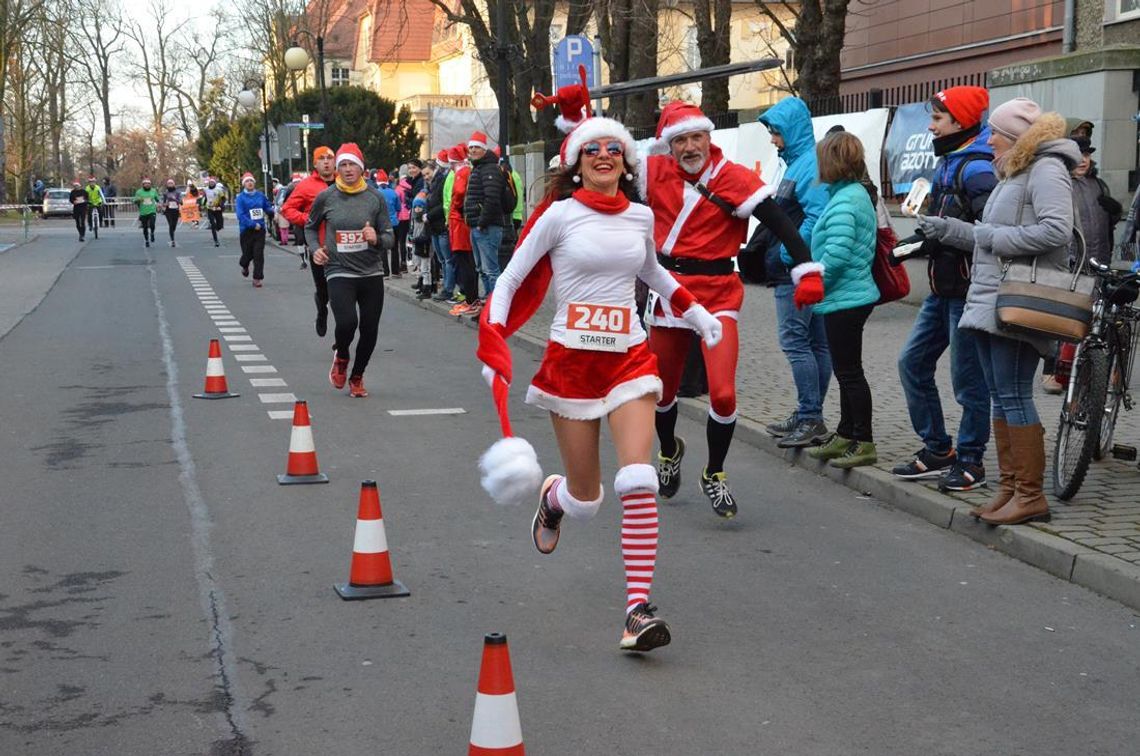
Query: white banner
x=452, y=126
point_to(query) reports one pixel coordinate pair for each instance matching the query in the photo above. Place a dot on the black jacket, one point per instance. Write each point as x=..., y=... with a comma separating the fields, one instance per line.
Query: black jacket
x=486, y=187
x=436, y=220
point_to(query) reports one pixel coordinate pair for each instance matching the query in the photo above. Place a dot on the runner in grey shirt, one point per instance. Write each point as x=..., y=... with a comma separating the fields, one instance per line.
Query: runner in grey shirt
x=354, y=231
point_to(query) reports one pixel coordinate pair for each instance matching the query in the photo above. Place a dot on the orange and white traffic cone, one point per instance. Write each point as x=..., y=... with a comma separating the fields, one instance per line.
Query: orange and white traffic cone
x=215, y=375
x=370, y=575
x=495, y=727
x=302, y=467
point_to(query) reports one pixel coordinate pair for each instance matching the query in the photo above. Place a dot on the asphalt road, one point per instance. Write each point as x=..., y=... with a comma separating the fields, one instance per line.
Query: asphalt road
x=163, y=595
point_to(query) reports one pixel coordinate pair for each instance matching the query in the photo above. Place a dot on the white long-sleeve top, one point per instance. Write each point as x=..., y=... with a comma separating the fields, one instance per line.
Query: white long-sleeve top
x=595, y=258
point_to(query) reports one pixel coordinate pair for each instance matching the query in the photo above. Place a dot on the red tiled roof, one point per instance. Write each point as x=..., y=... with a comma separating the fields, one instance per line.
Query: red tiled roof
x=401, y=29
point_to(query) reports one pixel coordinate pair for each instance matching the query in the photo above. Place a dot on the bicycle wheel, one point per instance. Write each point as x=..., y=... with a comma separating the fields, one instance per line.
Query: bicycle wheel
x=1114, y=397
x=95, y=221
x=1079, y=429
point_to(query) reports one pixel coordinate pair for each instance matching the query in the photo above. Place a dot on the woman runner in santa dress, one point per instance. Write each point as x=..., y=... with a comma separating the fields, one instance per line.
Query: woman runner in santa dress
x=592, y=243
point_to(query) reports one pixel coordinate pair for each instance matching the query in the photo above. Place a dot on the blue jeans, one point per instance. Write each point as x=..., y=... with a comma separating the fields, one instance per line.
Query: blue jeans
x=443, y=252
x=485, y=245
x=1010, y=367
x=804, y=341
x=935, y=329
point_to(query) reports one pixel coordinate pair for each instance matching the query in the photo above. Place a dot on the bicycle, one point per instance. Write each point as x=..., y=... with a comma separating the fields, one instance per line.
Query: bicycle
x=1099, y=380
x=94, y=220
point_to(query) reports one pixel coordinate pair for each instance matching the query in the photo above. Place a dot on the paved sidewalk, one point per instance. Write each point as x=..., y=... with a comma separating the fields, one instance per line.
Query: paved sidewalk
x=1094, y=540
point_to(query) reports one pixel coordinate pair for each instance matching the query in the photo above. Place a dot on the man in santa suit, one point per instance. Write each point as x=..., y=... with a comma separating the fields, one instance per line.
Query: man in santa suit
x=701, y=204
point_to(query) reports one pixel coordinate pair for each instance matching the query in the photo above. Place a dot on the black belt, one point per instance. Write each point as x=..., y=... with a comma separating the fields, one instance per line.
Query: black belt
x=691, y=266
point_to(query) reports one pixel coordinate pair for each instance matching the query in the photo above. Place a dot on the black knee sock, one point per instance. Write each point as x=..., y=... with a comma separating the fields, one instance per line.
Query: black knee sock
x=719, y=437
x=666, y=422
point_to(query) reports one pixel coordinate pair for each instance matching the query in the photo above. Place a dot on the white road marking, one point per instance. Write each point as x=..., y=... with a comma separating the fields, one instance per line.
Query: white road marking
x=258, y=369
x=236, y=337
x=251, y=357
x=232, y=330
x=221, y=315
x=283, y=414
x=96, y=267
x=439, y=411
x=244, y=347
x=277, y=398
x=266, y=382
x=227, y=322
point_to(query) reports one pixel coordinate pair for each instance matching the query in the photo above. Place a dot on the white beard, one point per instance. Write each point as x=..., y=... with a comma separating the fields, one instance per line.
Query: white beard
x=692, y=166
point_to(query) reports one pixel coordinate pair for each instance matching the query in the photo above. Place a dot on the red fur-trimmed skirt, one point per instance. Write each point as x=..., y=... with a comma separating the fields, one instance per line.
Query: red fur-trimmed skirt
x=585, y=385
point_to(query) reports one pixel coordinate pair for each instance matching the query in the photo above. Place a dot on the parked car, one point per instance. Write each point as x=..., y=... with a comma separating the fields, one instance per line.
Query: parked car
x=57, y=202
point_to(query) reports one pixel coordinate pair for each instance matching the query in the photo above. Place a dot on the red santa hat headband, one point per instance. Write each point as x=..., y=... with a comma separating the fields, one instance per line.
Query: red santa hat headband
x=573, y=103
x=581, y=127
x=678, y=118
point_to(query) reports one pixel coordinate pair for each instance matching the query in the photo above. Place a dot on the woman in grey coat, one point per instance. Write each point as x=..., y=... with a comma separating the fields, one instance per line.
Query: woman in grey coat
x=1029, y=215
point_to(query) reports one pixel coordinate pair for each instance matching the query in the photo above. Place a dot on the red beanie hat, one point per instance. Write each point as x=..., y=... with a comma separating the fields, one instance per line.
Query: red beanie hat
x=965, y=104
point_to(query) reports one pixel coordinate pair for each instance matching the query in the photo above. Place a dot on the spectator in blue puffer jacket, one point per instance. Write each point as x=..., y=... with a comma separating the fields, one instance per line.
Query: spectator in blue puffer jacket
x=843, y=244
x=801, y=332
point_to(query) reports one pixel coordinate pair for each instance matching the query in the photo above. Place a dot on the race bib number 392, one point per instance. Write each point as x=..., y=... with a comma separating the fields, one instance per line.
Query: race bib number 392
x=598, y=328
x=350, y=241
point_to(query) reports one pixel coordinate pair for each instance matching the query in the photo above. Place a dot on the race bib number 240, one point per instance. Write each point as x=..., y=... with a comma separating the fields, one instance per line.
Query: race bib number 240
x=598, y=328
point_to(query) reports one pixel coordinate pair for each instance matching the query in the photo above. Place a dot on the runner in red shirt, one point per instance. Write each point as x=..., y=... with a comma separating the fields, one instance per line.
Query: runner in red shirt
x=296, y=211
x=701, y=204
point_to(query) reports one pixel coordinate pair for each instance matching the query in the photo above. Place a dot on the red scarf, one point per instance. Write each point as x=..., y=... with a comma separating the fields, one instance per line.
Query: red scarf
x=493, y=350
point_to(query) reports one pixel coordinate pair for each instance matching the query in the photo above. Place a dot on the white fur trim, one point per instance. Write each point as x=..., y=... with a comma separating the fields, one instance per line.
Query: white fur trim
x=635, y=478
x=722, y=419
x=565, y=125
x=684, y=126
x=350, y=158
x=803, y=269
x=593, y=409
x=477, y=144
x=747, y=206
x=592, y=129
x=509, y=471
x=667, y=407
x=576, y=509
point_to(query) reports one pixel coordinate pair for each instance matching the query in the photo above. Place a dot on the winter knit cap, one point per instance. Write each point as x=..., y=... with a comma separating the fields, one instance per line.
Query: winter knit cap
x=965, y=104
x=1012, y=119
x=679, y=118
x=350, y=152
x=323, y=151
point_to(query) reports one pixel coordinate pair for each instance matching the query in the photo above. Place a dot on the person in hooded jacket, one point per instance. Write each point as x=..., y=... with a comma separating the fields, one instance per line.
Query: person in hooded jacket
x=1028, y=217
x=803, y=338
x=963, y=180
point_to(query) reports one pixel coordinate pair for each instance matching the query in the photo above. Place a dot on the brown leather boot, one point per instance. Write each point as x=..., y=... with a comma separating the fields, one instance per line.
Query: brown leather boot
x=1005, y=488
x=1027, y=447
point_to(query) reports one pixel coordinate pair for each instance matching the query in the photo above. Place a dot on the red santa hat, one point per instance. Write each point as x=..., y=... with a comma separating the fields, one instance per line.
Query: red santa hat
x=593, y=129
x=350, y=152
x=478, y=139
x=573, y=103
x=457, y=154
x=382, y=176
x=678, y=118
x=441, y=156
x=247, y=176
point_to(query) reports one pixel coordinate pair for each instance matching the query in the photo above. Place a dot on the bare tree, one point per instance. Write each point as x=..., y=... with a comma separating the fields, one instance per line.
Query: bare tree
x=628, y=29
x=15, y=17
x=713, y=19
x=159, y=68
x=200, y=95
x=816, y=40
x=99, y=39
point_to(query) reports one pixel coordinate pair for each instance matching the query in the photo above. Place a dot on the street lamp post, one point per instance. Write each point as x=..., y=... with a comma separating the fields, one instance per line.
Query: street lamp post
x=297, y=59
x=248, y=100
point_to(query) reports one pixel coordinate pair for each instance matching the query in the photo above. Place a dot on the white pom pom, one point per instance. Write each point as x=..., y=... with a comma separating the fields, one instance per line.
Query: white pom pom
x=510, y=472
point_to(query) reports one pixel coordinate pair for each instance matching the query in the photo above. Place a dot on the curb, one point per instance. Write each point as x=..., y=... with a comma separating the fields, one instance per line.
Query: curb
x=1095, y=570
x=17, y=245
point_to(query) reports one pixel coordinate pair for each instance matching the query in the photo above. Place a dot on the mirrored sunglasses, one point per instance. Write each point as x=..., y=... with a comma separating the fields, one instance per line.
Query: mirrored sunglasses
x=593, y=149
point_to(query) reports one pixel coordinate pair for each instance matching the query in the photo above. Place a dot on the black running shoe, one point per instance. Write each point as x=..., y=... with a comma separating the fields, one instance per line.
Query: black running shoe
x=544, y=529
x=669, y=471
x=784, y=427
x=926, y=464
x=322, y=315
x=963, y=476
x=643, y=631
x=715, y=487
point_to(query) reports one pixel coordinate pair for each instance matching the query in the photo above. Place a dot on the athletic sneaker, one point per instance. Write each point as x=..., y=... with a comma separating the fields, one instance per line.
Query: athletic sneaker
x=474, y=309
x=356, y=386
x=784, y=427
x=245, y=271
x=963, y=476
x=715, y=487
x=643, y=631
x=806, y=433
x=338, y=373
x=926, y=464
x=442, y=297
x=544, y=529
x=257, y=283
x=669, y=470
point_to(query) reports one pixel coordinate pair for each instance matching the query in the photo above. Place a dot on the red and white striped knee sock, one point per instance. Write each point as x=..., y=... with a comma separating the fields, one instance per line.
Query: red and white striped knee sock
x=637, y=487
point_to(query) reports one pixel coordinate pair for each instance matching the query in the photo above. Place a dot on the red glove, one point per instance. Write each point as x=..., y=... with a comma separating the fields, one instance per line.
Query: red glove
x=809, y=290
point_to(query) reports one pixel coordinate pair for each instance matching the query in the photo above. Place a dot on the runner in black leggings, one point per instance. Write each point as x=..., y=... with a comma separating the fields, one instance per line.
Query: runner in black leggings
x=171, y=204
x=354, y=224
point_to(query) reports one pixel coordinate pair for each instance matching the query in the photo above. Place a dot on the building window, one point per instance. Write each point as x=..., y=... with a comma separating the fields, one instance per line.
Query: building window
x=338, y=76
x=1127, y=9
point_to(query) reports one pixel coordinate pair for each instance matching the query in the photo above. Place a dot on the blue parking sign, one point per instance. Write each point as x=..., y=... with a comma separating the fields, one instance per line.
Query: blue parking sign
x=571, y=52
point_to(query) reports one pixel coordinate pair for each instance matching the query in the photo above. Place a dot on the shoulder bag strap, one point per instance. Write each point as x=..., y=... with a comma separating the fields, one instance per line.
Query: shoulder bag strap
x=720, y=202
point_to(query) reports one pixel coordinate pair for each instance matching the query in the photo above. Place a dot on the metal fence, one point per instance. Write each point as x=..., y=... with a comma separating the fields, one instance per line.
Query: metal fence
x=904, y=94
